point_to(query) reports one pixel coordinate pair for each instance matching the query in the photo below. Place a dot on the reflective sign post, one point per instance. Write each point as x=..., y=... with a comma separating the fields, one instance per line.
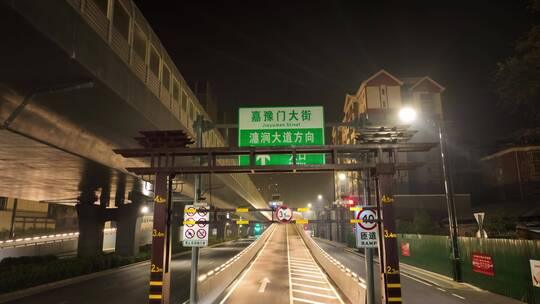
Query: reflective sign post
x=390, y=278
x=159, y=278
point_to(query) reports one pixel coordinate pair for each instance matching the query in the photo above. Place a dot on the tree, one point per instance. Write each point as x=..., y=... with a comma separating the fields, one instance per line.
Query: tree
x=423, y=223
x=518, y=77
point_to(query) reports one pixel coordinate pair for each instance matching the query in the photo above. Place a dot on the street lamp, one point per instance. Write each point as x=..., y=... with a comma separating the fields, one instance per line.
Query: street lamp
x=342, y=176
x=309, y=205
x=319, y=197
x=145, y=209
x=408, y=115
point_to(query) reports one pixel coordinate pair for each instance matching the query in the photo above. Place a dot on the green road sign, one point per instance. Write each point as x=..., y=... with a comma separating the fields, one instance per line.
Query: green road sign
x=278, y=127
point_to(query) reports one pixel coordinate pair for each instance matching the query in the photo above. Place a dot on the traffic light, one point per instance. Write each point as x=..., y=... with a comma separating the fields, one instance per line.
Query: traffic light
x=257, y=228
x=351, y=200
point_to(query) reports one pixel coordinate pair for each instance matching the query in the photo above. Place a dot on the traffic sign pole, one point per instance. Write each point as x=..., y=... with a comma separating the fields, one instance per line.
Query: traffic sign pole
x=196, y=197
x=370, y=278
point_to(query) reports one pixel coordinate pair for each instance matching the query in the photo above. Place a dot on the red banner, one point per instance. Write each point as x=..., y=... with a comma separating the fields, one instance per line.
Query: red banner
x=405, y=249
x=483, y=263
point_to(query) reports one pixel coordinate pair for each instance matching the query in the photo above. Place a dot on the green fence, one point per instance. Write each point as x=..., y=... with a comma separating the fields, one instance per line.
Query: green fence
x=512, y=276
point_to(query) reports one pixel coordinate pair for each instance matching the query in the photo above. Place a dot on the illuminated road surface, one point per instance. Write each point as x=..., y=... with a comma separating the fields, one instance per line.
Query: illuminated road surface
x=283, y=272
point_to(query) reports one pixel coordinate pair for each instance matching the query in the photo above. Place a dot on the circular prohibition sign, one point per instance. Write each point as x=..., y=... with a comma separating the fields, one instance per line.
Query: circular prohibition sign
x=284, y=214
x=190, y=211
x=202, y=211
x=189, y=233
x=201, y=233
x=367, y=215
x=190, y=220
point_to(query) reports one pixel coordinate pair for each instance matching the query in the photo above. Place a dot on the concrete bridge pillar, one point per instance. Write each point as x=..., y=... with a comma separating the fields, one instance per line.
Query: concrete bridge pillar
x=234, y=229
x=221, y=227
x=128, y=225
x=91, y=223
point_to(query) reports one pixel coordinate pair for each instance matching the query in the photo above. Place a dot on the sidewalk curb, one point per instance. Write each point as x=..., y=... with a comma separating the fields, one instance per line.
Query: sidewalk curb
x=18, y=294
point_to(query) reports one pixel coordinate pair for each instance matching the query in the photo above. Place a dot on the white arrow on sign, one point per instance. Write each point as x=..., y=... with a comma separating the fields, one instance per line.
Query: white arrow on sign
x=263, y=158
x=263, y=282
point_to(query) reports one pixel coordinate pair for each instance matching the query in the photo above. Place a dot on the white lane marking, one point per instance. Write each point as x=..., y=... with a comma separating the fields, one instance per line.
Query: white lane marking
x=308, y=280
x=322, y=295
x=455, y=295
x=413, y=278
x=264, y=282
x=441, y=289
x=305, y=271
x=304, y=266
x=308, y=275
x=307, y=301
x=329, y=284
x=312, y=286
x=248, y=269
x=289, y=266
x=300, y=259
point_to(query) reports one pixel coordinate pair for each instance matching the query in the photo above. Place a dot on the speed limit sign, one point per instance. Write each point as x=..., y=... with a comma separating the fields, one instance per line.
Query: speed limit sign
x=284, y=214
x=366, y=216
x=366, y=231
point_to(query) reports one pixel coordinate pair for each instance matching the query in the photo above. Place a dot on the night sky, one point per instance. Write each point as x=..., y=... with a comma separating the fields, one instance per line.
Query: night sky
x=314, y=52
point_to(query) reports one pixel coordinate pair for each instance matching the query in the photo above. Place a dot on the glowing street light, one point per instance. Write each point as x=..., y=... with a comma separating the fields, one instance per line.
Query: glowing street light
x=145, y=209
x=319, y=197
x=309, y=205
x=342, y=176
x=407, y=115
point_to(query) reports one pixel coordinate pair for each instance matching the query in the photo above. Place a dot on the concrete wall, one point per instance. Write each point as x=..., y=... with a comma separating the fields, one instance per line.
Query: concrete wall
x=348, y=284
x=60, y=244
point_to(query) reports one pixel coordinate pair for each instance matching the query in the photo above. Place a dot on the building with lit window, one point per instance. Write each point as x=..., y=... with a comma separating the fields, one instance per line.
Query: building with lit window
x=380, y=98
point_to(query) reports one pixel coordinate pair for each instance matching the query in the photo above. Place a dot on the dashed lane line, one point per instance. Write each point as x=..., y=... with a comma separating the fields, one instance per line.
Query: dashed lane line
x=458, y=296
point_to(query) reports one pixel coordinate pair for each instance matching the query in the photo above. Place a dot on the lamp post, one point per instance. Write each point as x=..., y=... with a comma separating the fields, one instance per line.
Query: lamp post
x=408, y=115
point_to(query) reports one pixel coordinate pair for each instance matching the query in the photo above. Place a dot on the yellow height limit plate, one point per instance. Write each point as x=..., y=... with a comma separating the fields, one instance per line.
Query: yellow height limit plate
x=242, y=222
x=301, y=221
x=242, y=210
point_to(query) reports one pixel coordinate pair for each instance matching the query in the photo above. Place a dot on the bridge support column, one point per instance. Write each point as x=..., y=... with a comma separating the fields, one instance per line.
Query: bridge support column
x=128, y=225
x=234, y=229
x=221, y=227
x=91, y=224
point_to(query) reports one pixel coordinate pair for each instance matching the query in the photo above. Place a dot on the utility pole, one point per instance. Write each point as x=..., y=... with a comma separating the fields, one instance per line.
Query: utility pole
x=196, y=198
x=370, y=278
x=450, y=204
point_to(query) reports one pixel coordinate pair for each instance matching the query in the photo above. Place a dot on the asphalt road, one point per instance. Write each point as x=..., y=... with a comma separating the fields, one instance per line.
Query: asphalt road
x=130, y=285
x=283, y=272
x=417, y=286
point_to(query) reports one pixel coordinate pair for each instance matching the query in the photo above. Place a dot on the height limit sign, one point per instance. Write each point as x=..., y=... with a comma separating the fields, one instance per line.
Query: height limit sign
x=196, y=234
x=366, y=231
